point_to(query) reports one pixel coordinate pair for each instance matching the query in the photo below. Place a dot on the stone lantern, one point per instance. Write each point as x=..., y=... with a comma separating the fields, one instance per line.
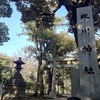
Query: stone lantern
x=18, y=63
x=15, y=86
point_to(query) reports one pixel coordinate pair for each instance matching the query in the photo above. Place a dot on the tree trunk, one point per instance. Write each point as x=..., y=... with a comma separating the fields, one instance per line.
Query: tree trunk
x=37, y=83
x=41, y=84
x=75, y=35
x=0, y=75
x=41, y=72
x=49, y=80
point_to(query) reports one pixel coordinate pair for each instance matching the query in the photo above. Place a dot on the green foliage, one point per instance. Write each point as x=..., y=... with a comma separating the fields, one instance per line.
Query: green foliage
x=30, y=86
x=5, y=70
x=47, y=40
x=5, y=9
x=41, y=11
x=3, y=33
x=5, y=60
x=34, y=10
x=62, y=76
x=62, y=72
x=65, y=42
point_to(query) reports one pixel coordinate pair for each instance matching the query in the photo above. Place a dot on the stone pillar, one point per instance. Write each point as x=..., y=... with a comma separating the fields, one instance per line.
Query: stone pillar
x=88, y=65
x=15, y=87
x=52, y=94
x=75, y=82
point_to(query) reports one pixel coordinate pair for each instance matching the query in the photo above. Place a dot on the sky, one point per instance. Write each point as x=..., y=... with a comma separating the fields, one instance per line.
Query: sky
x=14, y=24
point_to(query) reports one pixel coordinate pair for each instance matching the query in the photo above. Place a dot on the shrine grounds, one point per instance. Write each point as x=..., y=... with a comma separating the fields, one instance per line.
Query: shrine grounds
x=31, y=97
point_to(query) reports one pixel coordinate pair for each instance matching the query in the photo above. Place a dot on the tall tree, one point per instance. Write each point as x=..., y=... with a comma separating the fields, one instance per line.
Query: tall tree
x=37, y=9
x=46, y=42
x=40, y=38
x=5, y=11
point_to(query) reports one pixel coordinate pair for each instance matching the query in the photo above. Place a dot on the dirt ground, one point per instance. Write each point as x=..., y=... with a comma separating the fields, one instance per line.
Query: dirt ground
x=30, y=97
x=62, y=98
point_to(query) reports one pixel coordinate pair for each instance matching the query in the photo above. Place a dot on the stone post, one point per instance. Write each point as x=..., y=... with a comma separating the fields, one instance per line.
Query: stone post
x=88, y=64
x=52, y=94
x=15, y=87
x=75, y=82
